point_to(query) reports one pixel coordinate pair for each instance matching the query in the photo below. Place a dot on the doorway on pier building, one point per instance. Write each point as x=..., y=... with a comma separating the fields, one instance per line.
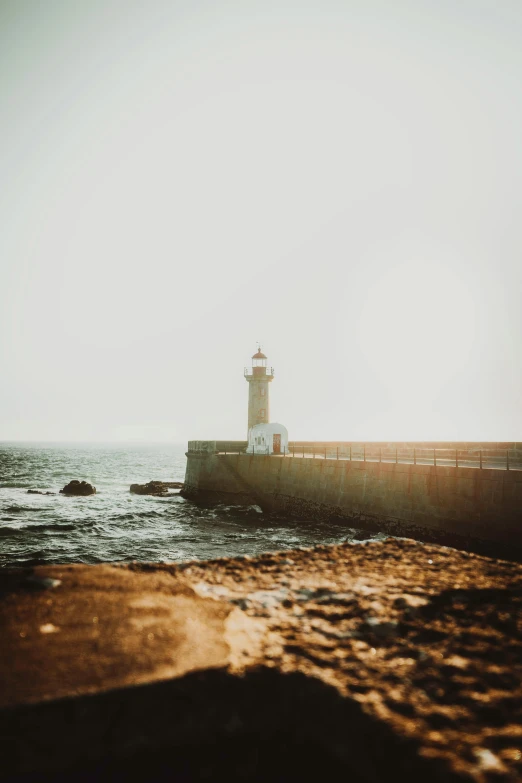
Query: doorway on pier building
x=276, y=447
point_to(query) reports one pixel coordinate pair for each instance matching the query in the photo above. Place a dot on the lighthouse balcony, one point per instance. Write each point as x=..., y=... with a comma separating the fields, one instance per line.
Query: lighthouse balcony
x=256, y=372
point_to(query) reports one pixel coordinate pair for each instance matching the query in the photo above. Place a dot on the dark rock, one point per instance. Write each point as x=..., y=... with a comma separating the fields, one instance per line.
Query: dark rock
x=78, y=488
x=157, y=488
x=38, y=492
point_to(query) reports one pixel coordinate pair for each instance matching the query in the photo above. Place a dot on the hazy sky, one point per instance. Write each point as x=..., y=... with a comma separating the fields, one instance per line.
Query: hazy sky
x=339, y=180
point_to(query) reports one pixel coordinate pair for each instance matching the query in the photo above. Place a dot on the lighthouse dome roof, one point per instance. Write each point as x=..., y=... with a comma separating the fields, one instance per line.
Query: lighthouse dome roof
x=259, y=355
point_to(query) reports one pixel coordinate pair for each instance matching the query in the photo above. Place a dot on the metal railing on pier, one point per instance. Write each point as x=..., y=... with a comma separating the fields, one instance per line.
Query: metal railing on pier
x=491, y=458
x=500, y=459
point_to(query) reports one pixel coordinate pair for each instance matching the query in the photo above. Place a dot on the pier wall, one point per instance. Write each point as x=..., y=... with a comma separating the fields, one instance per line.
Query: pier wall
x=432, y=503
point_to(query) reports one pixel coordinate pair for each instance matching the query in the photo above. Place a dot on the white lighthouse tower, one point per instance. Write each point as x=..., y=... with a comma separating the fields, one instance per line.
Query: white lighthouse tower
x=263, y=437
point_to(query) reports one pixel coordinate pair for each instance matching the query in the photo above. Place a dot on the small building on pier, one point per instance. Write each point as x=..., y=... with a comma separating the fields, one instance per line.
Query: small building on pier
x=268, y=439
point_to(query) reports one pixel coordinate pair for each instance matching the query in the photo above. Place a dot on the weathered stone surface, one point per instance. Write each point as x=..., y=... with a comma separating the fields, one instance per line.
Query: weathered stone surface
x=155, y=487
x=384, y=661
x=78, y=488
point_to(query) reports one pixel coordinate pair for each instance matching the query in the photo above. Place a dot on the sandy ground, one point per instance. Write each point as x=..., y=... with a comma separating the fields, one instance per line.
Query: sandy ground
x=377, y=660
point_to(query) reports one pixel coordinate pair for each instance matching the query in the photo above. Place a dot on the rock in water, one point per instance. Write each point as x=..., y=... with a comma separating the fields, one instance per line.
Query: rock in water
x=78, y=488
x=155, y=487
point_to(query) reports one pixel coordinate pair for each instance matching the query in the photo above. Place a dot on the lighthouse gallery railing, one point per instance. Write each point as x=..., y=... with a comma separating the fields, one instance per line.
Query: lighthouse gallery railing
x=258, y=371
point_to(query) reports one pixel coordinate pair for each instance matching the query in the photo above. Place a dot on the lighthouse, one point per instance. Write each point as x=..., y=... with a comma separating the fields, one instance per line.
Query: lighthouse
x=259, y=376
x=263, y=437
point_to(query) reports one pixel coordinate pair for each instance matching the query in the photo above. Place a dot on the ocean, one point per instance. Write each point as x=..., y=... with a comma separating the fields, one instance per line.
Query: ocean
x=115, y=525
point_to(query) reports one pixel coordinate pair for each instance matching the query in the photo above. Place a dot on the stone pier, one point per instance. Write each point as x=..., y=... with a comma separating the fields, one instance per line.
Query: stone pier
x=471, y=508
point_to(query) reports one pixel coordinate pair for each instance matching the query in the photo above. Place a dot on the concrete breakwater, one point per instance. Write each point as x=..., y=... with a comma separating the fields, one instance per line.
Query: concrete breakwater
x=463, y=506
x=379, y=662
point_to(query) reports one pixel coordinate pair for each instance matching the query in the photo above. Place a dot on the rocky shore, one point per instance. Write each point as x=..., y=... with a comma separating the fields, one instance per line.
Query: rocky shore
x=372, y=662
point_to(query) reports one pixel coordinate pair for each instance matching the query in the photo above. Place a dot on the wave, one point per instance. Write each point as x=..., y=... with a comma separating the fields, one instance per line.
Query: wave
x=9, y=531
x=33, y=561
x=20, y=509
x=134, y=516
x=237, y=510
x=6, y=530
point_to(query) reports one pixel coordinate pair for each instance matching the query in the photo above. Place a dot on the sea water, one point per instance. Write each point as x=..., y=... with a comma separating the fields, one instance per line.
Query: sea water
x=115, y=525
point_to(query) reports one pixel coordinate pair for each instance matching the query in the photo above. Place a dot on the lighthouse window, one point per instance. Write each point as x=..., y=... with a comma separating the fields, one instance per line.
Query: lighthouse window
x=262, y=412
x=262, y=391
